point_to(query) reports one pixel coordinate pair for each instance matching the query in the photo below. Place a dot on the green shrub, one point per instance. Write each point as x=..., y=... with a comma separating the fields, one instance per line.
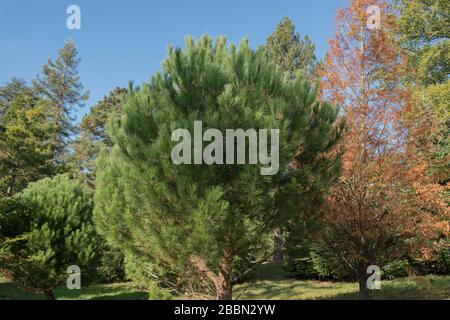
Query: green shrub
x=45, y=229
x=396, y=269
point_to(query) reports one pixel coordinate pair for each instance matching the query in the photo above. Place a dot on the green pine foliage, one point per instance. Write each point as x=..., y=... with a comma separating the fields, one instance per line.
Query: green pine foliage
x=290, y=51
x=45, y=229
x=93, y=137
x=60, y=84
x=183, y=226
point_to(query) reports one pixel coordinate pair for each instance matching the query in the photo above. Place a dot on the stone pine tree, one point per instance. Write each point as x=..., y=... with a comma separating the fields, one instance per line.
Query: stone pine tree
x=189, y=223
x=294, y=55
x=60, y=83
x=45, y=229
x=290, y=51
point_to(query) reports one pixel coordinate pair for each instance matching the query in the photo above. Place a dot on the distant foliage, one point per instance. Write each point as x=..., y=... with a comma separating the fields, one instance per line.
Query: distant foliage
x=27, y=143
x=290, y=51
x=93, y=137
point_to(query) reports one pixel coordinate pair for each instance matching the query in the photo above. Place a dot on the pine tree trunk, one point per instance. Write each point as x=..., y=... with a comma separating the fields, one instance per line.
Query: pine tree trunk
x=49, y=294
x=278, y=245
x=224, y=291
x=224, y=286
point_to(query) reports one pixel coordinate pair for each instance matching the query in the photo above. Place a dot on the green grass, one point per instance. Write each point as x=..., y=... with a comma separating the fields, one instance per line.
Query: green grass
x=429, y=287
x=272, y=285
x=117, y=291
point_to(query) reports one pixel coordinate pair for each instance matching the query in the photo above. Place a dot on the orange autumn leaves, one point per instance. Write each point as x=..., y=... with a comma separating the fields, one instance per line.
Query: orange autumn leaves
x=385, y=203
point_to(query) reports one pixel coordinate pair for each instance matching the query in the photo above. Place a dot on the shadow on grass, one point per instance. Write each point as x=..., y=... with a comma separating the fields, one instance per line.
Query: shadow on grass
x=9, y=291
x=415, y=288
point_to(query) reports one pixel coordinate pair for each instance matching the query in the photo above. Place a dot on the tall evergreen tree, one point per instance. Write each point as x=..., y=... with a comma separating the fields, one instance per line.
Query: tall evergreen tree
x=290, y=51
x=186, y=222
x=294, y=55
x=61, y=85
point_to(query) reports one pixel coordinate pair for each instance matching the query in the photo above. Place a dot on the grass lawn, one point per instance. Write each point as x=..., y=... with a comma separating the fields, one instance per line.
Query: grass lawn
x=429, y=287
x=271, y=285
x=117, y=291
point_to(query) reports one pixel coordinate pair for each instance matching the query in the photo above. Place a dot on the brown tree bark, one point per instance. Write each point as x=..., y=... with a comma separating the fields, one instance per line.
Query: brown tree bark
x=49, y=294
x=223, y=281
x=364, y=292
x=224, y=285
x=224, y=289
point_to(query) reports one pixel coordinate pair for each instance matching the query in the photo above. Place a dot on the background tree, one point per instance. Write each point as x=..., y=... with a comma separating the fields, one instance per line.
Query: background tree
x=191, y=222
x=290, y=51
x=27, y=143
x=424, y=27
x=10, y=91
x=380, y=208
x=61, y=85
x=294, y=55
x=424, y=33
x=45, y=229
x=93, y=137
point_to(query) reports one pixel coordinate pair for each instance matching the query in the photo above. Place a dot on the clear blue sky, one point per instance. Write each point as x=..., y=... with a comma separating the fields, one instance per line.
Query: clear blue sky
x=127, y=40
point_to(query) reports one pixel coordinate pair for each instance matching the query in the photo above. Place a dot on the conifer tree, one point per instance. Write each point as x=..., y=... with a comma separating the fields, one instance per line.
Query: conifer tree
x=60, y=83
x=45, y=229
x=184, y=222
x=294, y=55
x=290, y=51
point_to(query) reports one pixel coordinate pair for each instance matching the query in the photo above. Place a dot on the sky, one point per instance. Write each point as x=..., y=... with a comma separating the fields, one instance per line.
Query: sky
x=121, y=41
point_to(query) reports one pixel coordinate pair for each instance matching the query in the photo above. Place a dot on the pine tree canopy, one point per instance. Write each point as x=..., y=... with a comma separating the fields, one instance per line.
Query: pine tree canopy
x=192, y=221
x=60, y=83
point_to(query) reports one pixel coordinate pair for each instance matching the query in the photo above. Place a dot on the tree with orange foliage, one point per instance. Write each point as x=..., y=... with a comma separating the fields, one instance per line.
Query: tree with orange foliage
x=383, y=205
